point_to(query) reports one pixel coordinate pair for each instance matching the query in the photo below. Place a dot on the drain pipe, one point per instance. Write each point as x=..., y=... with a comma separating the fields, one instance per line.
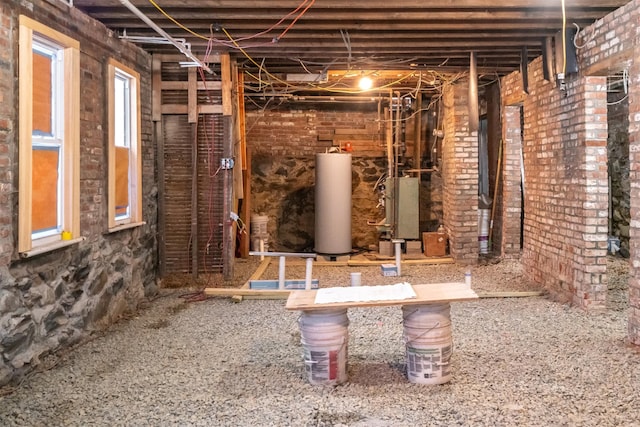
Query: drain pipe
x=166, y=35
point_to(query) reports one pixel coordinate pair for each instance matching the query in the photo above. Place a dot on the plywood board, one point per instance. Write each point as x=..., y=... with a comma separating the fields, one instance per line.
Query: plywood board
x=426, y=294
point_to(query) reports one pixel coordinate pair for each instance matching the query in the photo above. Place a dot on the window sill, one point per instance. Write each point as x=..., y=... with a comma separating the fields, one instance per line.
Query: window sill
x=50, y=247
x=125, y=226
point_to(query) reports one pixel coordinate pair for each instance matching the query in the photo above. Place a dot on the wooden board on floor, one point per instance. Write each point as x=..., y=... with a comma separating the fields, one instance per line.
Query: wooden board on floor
x=230, y=292
x=426, y=294
x=255, y=276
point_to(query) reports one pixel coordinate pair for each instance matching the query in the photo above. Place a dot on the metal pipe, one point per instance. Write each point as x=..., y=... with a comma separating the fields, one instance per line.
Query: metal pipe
x=163, y=33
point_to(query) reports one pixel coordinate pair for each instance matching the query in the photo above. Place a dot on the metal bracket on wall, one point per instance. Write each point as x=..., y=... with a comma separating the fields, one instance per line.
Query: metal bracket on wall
x=226, y=163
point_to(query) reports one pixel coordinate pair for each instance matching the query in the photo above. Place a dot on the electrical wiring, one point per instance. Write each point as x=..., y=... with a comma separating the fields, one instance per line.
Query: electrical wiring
x=593, y=36
x=305, y=3
x=564, y=38
x=261, y=69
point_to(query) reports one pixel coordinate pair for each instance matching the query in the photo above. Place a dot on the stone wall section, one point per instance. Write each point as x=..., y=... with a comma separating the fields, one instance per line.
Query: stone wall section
x=51, y=301
x=618, y=160
x=460, y=175
x=284, y=141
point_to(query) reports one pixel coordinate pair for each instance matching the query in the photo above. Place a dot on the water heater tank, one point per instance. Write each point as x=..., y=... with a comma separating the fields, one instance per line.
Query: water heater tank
x=333, y=203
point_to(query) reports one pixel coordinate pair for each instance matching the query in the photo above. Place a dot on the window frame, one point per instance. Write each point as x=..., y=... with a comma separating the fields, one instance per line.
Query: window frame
x=69, y=221
x=134, y=134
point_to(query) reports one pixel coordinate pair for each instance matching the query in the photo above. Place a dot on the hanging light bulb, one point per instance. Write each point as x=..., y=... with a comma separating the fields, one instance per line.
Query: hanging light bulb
x=365, y=83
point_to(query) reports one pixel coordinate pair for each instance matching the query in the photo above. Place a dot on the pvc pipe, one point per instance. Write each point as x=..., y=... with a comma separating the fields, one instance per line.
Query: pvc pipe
x=307, y=274
x=281, y=273
x=164, y=34
x=398, y=256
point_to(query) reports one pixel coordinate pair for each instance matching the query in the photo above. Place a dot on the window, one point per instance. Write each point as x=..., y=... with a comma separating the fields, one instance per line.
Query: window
x=125, y=162
x=49, y=99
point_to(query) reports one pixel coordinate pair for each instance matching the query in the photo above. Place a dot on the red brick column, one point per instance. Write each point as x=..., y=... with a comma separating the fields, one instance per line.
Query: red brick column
x=511, y=183
x=460, y=175
x=634, y=178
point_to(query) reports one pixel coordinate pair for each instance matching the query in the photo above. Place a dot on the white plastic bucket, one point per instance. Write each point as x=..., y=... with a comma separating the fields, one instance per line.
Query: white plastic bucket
x=425, y=316
x=428, y=363
x=255, y=243
x=325, y=362
x=259, y=225
x=429, y=343
x=483, y=230
x=325, y=337
x=356, y=279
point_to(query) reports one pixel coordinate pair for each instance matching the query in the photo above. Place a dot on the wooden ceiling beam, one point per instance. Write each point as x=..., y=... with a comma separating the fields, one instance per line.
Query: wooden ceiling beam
x=289, y=5
x=345, y=17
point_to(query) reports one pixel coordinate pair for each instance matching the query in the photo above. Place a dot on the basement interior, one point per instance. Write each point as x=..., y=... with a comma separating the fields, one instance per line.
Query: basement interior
x=319, y=212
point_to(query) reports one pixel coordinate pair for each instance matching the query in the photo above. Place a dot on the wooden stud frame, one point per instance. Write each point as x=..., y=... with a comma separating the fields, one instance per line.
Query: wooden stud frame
x=71, y=138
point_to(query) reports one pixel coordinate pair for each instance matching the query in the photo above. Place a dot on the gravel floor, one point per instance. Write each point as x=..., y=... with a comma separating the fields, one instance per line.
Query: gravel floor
x=517, y=361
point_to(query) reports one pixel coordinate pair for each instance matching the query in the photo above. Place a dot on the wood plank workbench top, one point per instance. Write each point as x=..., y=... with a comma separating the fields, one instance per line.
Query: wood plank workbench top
x=425, y=294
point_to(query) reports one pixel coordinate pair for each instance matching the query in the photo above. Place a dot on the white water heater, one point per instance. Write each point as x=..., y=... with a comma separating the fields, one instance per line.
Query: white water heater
x=333, y=203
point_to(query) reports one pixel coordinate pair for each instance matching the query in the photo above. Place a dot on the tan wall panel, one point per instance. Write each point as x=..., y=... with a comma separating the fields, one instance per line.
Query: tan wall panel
x=45, y=191
x=41, y=93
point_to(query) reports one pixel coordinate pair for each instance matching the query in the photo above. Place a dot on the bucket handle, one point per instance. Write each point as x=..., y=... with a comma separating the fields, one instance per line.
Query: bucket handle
x=311, y=362
x=425, y=332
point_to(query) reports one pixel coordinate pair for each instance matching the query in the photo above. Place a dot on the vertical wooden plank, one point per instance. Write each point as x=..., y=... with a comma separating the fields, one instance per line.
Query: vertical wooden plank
x=237, y=136
x=71, y=218
x=25, y=130
x=227, y=224
x=194, y=200
x=156, y=89
x=246, y=209
x=158, y=139
x=242, y=119
x=474, y=114
x=227, y=84
x=192, y=96
x=417, y=135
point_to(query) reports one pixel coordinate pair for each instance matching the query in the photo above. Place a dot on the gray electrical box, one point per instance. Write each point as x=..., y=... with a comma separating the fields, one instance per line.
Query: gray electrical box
x=406, y=206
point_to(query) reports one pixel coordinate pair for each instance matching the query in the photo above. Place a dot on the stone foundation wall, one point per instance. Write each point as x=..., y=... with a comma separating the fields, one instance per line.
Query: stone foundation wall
x=51, y=301
x=618, y=158
x=283, y=143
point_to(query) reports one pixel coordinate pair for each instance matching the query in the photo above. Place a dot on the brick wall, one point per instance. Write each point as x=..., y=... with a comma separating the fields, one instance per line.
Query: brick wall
x=634, y=178
x=565, y=221
x=460, y=175
x=511, y=199
x=307, y=129
x=51, y=301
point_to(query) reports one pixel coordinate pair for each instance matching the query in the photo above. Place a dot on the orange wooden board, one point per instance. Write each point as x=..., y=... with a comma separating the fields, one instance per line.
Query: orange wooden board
x=426, y=294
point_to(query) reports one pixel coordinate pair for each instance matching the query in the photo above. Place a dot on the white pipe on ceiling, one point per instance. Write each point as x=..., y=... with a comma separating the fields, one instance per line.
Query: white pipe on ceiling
x=166, y=35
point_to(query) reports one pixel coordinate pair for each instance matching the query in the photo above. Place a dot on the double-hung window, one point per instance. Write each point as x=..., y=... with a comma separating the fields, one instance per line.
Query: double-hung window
x=49, y=132
x=125, y=162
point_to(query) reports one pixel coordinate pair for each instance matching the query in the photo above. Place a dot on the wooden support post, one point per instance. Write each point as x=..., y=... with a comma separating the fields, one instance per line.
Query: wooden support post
x=194, y=200
x=158, y=142
x=227, y=223
x=227, y=84
x=245, y=214
x=417, y=135
x=474, y=114
x=192, y=96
